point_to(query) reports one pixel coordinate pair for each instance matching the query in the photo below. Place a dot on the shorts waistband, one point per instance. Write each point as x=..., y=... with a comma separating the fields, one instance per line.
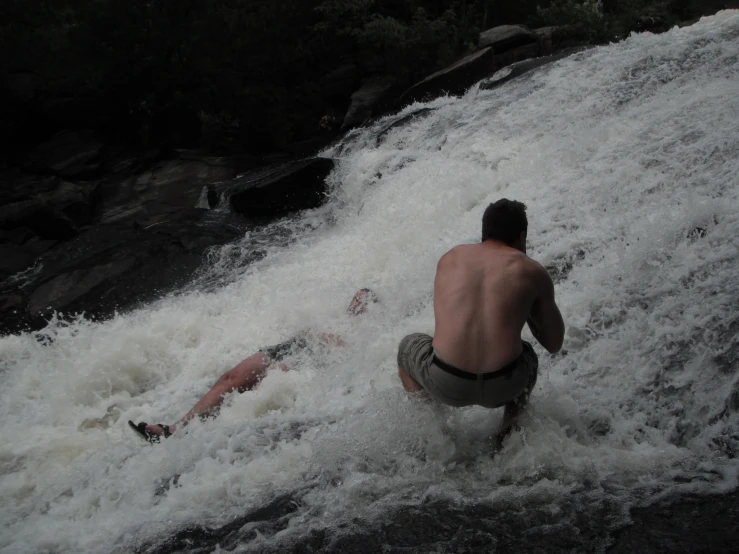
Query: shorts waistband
x=504, y=372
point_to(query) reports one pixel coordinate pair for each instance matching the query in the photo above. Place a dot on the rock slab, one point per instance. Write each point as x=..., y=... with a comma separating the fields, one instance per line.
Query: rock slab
x=287, y=188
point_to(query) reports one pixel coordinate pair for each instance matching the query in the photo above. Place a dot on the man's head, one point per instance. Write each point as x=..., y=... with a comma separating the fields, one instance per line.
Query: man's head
x=505, y=221
x=361, y=300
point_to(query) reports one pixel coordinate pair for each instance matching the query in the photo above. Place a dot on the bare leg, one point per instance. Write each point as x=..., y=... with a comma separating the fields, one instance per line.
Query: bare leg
x=243, y=377
x=515, y=408
x=510, y=416
x=409, y=383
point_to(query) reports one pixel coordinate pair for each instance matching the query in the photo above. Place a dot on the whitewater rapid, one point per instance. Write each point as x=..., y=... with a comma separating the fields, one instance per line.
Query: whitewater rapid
x=627, y=157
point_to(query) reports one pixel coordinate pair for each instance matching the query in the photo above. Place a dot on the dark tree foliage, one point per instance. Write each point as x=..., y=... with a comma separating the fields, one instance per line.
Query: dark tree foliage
x=228, y=76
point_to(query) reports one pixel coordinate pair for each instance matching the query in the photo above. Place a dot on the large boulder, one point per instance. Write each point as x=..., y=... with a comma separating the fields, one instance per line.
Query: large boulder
x=505, y=37
x=75, y=245
x=113, y=267
x=38, y=211
x=500, y=47
x=142, y=233
x=14, y=258
x=35, y=214
x=51, y=207
x=70, y=154
x=512, y=71
x=454, y=79
x=365, y=100
x=277, y=190
x=403, y=120
x=166, y=187
x=18, y=187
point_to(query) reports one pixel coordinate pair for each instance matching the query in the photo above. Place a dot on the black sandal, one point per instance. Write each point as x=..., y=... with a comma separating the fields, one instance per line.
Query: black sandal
x=147, y=435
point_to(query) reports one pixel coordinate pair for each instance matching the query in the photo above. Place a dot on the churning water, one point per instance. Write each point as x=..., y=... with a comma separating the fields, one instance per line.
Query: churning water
x=627, y=157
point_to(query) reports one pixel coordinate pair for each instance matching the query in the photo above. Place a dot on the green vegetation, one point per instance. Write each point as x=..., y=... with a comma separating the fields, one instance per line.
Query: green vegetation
x=251, y=76
x=600, y=21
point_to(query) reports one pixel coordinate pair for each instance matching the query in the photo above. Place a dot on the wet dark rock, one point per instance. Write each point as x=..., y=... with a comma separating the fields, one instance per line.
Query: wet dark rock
x=14, y=258
x=10, y=302
x=454, y=79
x=278, y=190
x=121, y=163
x=365, y=101
x=457, y=78
x=505, y=37
x=51, y=207
x=162, y=189
x=515, y=70
x=105, y=245
x=63, y=290
x=71, y=154
x=71, y=202
x=114, y=267
x=693, y=524
x=402, y=121
x=18, y=186
x=37, y=215
x=264, y=521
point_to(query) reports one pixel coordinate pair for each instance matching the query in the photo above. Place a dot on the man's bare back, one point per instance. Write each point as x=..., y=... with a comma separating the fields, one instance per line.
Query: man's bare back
x=483, y=296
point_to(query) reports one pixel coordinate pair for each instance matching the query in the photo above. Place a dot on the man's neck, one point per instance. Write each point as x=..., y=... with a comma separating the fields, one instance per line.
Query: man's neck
x=500, y=245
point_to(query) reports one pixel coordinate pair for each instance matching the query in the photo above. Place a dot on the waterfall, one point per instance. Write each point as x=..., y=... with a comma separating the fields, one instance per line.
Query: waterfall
x=627, y=157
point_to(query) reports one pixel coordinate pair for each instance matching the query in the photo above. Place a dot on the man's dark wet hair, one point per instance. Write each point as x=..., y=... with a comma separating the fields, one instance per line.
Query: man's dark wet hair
x=504, y=220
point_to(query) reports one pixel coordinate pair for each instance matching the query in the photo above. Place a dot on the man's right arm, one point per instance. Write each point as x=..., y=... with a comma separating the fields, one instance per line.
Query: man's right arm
x=545, y=320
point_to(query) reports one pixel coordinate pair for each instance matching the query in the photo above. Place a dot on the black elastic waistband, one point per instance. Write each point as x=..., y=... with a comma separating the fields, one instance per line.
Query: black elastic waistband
x=505, y=371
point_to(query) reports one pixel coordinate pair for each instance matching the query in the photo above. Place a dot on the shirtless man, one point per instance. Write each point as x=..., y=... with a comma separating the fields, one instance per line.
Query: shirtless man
x=250, y=372
x=483, y=295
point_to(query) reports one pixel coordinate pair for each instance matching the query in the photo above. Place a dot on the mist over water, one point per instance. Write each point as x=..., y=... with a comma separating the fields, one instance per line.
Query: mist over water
x=627, y=157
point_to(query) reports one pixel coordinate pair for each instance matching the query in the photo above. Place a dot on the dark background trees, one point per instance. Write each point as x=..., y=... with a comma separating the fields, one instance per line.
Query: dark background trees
x=246, y=76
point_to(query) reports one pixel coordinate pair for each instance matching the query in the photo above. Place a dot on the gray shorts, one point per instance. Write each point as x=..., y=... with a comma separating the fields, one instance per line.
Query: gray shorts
x=455, y=387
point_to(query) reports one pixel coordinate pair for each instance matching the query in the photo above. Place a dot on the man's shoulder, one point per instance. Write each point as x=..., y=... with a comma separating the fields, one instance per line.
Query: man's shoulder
x=537, y=274
x=456, y=252
x=532, y=267
x=532, y=264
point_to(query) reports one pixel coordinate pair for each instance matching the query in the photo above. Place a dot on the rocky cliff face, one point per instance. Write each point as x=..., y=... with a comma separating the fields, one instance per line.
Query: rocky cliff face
x=86, y=230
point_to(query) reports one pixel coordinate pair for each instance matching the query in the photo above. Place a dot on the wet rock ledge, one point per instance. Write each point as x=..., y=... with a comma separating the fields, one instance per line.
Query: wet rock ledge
x=86, y=228
x=705, y=524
